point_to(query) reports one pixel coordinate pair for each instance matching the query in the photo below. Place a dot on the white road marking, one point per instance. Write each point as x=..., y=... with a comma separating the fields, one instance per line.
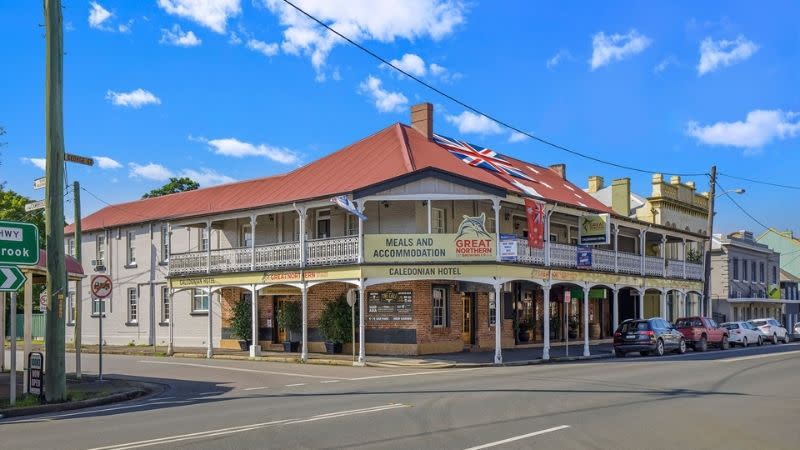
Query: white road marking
x=94, y=411
x=411, y=374
x=239, y=369
x=516, y=438
x=766, y=355
x=257, y=388
x=243, y=428
x=296, y=384
x=329, y=381
x=209, y=393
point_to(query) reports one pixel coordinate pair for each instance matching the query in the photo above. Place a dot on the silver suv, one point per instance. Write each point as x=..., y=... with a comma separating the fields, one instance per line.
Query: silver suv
x=772, y=330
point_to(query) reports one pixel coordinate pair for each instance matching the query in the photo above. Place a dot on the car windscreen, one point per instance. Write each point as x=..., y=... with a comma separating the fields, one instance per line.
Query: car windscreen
x=632, y=327
x=685, y=323
x=731, y=326
x=759, y=323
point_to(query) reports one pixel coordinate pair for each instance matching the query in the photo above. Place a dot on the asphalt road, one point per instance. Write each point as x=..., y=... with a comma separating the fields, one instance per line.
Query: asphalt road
x=742, y=398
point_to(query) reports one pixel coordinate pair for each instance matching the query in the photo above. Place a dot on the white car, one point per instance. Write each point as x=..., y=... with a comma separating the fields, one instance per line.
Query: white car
x=742, y=333
x=771, y=329
x=796, y=331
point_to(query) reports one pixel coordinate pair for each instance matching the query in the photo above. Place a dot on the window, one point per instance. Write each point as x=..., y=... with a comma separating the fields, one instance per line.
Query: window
x=438, y=221
x=199, y=301
x=774, y=275
x=439, y=298
x=100, y=248
x=492, y=309
x=165, y=312
x=490, y=225
x=753, y=271
x=735, y=268
x=296, y=229
x=761, y=272
x=131, y=250
x=203, y=241
x=71, y=247
x=71, y=308
x=323, y=223
x=164, y=243
x=133, y=305
x=352, y=225
x=744, y=270
x=246, y=236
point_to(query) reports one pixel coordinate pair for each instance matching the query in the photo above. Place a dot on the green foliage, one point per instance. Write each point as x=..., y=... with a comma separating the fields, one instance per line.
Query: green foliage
x=173, y=186
x=694, y=256
x=335, y=322
x=290, y=317
x=242, y=320
x=12, y=207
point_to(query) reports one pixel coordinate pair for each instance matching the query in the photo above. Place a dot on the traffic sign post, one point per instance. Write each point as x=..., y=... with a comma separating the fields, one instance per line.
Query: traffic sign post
x=85, y=160
x=33, y=206
x=40, y=183
x=11, y=279
x=19, y=243
x=36, y=373
x=101, y=287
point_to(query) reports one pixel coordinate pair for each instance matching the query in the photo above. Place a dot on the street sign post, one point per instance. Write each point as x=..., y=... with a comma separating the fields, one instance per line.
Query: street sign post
x=19, y=243
x=11, y=279
x=43, y=301
x=69, y=157
x=101, y=287
x=40, y=183
x=33, y=206
x=35, y=373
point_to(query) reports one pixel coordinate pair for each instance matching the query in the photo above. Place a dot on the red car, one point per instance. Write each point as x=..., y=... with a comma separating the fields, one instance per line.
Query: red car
x=700, y=332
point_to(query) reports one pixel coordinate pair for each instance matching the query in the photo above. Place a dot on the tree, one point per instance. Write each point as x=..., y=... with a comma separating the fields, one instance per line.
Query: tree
x=12, y=207
x=175, y=185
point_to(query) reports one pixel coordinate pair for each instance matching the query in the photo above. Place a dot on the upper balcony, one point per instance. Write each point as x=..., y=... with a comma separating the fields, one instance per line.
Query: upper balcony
x=633, y=251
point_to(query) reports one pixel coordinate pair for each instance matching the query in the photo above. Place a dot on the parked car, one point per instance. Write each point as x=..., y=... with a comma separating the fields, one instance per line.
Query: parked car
x=700, y=332
x=771, y=329
x=648, y=337
x=742, y=333
x=796, y=334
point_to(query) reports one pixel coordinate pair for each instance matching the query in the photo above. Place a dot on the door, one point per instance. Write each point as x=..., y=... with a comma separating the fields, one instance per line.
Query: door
x=468, y=319
x=280, y=333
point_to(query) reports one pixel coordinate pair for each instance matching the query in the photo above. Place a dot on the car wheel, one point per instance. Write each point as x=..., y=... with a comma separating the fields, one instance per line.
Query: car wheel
x=774, y=339
x=725, y=343
x=744, y=342
x=760, y=341
x=659, y=348
x=619, y=353
x=786, y=338
x=682, y=347
x=701, y=345
x=644, y=353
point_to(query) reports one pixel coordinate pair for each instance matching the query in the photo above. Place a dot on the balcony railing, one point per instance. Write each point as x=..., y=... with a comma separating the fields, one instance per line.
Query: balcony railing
x=344, y=250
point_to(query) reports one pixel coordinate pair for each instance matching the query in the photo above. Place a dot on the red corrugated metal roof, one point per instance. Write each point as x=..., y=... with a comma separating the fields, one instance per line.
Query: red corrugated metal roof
x=390, y=153
x=72, y=265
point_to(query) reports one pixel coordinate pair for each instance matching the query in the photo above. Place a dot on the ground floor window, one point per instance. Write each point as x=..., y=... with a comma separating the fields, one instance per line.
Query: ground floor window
x=70, y=308
x=439, y=303
x=199, y=301
x=133, y=305
x=492, y=309
x=165, y=311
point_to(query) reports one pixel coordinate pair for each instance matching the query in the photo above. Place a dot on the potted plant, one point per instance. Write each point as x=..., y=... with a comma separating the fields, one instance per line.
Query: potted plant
x=335, y=324
x=574, y=323
x=555, y=325
x=290, y=318
x=242, y=324
x=523, y=334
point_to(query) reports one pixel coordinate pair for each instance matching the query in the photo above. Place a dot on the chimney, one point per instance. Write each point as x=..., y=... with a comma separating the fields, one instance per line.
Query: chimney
x=595, y=184
x=422, y=119
x=560, y=169
x=621, y=196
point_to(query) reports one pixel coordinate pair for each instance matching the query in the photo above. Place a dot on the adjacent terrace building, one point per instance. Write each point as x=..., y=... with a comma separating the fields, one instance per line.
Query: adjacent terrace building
x=442, y=262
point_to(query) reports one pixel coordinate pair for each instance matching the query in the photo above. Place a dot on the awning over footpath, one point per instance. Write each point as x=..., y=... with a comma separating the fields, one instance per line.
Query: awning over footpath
x=39, y=271
x=779, y=301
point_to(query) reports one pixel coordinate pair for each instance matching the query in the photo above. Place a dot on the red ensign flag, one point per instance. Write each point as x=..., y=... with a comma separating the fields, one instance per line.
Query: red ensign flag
x=535, y=212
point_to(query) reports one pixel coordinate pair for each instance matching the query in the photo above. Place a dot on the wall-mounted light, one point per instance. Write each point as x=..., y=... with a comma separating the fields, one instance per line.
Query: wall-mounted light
x=507, y=216
x=424, y=203
x=271, y=217
x=385, y=204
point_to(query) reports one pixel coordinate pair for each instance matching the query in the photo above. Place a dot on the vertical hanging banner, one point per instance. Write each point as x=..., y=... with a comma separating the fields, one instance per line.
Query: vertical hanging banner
x=535, y=213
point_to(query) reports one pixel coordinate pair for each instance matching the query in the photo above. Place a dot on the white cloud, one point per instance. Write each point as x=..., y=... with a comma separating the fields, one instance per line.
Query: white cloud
x=665, y=63
x=469, y=122
x=98, y=15
x=125, y=27
x=517, y=137
x=262, y=47
x=150, y=171
x=104, y=162
x=213, y=14
x=558, y=58
x=759, y=128
x=206, y=177
x=608, y=49
x=234, y=39
x=363, y=20
x=239, y=149
x=437, y=70
x=385, y=101
x=38, y=162
x=412, y=64
x=134, y=99
x=176, y=36
x=717, y=54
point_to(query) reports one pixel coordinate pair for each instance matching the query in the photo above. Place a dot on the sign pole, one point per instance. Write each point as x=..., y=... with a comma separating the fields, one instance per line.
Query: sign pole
x=12, y=377
x=101, y=287
x=100, y=346
x=76, y=192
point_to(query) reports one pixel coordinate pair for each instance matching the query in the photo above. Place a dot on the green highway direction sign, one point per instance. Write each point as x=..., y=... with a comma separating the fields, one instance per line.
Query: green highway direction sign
x=19, y=243
x=11, y=279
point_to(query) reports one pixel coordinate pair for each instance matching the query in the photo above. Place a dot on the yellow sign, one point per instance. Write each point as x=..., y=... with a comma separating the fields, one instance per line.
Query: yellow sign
x=594, y=229
x=429, y=271
x=470, y=243
x=289, y=276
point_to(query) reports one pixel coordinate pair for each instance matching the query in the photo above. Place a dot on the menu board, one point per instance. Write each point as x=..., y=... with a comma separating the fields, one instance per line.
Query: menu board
x=390, y=306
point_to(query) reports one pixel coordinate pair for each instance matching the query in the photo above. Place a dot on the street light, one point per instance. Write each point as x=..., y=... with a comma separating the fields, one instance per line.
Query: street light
x=731, y=191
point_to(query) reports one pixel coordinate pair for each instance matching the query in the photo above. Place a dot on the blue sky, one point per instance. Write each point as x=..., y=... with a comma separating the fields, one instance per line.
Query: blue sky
x=246, y=88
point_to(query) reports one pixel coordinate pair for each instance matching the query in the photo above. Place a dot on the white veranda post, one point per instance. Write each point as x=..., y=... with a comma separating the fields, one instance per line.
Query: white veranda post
x=362, y=341
x=304, y=349
x=255, y=349
x=586, y=320
x=210, y=348
x=498, y=335
x=546, y=347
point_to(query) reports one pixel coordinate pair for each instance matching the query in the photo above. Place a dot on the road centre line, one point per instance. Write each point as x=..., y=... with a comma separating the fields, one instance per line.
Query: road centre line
x=765, y=355
x=239, y=369
x=295, y=384
x=257, y=388
x=244, y=428
x=411, y=374
x=329, y=381
x=517, y=438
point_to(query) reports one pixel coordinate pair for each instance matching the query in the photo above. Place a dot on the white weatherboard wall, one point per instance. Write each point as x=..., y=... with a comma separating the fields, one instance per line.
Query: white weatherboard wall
x=147, y=276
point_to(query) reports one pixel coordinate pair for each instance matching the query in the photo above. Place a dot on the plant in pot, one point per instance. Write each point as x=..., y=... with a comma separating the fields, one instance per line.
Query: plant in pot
x=335, y=324
x=523, y=334
x=242, y=323
x=555, y=325
x=574, y=323
x=290, y=318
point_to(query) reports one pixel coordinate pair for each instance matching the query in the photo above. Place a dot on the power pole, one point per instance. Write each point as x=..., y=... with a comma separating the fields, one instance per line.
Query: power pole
x=712, y=192
x=76, y=193
x=55, y=383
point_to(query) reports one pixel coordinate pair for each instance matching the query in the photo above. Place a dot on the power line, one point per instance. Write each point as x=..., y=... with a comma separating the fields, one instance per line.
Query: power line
x=478, y=111
x=766, y=183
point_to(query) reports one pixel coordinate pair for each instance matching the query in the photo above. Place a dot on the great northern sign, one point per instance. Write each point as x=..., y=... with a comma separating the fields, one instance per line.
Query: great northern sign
x=19, y=243
x=470, y=243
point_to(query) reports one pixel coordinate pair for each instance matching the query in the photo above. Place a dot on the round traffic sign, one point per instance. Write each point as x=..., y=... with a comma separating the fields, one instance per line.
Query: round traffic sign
x=101, y=286
x=43, y=301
